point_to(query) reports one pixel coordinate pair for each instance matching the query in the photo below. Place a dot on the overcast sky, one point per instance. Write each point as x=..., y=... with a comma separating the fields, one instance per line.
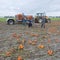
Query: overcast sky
x=12, y=7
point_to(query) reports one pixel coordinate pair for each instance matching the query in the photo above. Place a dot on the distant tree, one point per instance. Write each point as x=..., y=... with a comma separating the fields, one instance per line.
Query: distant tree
x=8, y=16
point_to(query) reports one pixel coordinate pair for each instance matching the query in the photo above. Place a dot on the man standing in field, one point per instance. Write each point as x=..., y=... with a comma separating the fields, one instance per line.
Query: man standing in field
x=43, y=22
x=30, y=24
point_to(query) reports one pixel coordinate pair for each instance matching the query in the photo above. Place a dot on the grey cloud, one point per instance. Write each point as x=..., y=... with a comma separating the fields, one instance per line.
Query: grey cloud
x=28, y=6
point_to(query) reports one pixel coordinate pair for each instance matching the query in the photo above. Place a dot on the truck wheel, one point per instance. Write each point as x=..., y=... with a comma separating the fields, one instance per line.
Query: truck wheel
x=10, y=21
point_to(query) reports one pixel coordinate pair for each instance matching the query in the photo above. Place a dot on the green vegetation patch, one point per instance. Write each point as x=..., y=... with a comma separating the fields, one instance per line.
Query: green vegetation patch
x=3, y=19
x=55, y=18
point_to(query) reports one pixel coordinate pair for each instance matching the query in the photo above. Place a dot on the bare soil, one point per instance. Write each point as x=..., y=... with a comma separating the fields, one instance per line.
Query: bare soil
x=30, y=52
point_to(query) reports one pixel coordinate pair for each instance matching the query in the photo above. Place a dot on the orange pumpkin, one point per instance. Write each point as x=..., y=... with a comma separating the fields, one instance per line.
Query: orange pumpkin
x=27, y=32
x=33, y=43
x=50, y=52
x=21, y=46
x=8, y=54
x=41, y=46
x=14, y=35
x=18, y=39
x=44, y=36
x=19, y=58
x=57, y=41
x=49, y=41
x=35, y=35
x=18, y=36
x=52, y=30
x=29, y=41
x=12, y=50
x=23, y=41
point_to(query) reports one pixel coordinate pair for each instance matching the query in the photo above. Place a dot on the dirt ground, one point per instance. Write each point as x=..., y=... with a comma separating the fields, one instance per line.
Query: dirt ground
x=48, y=37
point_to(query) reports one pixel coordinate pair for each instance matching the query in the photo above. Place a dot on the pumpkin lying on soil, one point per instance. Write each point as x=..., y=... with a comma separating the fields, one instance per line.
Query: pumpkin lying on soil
x=18, y=39
x=33, y=43
x=27, y=32
x=44, y=37
x=14, y=35
x=35, y=35
x=21, y=46
x=41, y=46
x=12, y=50
x=52, y=30
x=19, y=58
x=29, y=42
x=50, y=52
x=8, y=54
x=57, y=40
x=49, y=41
x=23, y=41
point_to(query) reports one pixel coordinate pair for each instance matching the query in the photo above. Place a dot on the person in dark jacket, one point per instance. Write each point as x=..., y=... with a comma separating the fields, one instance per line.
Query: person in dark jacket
x=43, y=22
x=30, y=24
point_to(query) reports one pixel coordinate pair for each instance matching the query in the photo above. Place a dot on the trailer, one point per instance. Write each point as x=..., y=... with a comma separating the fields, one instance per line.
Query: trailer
x=20, y=18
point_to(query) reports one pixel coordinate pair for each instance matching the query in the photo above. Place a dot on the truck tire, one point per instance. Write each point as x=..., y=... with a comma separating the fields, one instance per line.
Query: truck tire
x=10, y=22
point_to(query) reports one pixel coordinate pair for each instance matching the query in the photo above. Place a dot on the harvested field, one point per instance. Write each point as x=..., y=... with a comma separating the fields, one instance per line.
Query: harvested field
x=30, y=43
